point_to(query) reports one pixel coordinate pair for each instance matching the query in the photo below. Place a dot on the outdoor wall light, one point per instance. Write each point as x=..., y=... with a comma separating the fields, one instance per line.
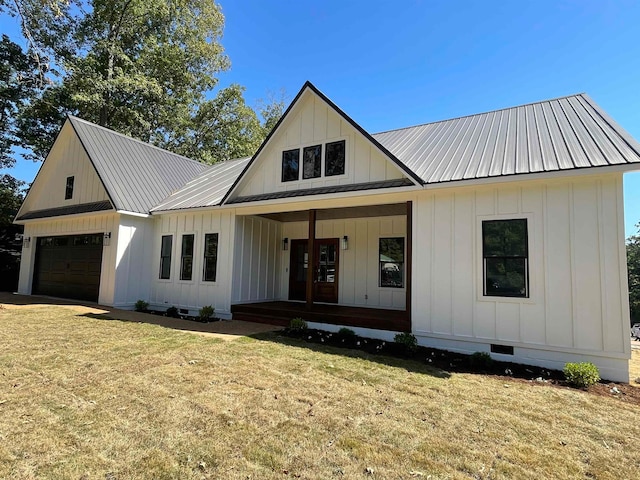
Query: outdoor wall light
x=345, y=243
x=107, y=239
x=285, y=244
x=26, y=242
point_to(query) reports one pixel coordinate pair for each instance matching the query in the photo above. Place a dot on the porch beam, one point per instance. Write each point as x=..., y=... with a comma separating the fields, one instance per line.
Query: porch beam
x=311, y=260
x=409, y=260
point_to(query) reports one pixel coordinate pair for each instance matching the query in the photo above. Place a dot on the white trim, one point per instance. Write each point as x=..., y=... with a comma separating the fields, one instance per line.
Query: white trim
x=133, y=214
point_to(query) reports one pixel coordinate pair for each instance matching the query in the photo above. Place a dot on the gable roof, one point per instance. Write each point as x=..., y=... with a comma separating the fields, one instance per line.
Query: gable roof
x=560, y=134
x=136, y=175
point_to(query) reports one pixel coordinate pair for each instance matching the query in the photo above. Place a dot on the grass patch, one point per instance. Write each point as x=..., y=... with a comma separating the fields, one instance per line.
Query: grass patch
x=82, y=397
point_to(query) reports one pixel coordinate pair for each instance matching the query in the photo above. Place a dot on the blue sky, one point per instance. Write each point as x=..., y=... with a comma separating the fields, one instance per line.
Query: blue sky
x=392, y=64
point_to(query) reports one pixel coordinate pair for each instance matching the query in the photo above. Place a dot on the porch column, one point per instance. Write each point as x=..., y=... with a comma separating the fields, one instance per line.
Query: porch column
x=408, y=261
x=311, y=260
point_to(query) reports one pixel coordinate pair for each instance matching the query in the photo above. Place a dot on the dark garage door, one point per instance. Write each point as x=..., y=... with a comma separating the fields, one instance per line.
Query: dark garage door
x=68, y=267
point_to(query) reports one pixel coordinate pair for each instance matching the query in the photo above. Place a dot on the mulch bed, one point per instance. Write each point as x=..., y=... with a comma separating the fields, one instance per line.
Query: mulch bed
x=461, y=363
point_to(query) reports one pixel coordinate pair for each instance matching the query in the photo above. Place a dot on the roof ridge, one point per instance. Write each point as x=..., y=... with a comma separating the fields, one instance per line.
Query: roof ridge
x=480, y=113
x=128, y=137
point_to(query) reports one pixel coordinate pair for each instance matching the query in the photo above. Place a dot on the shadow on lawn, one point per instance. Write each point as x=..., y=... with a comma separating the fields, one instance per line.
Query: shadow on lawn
x=411, y=365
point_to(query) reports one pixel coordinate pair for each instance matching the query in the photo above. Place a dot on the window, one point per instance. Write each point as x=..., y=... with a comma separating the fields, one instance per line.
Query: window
x=505, y=257
x=165, y=257
x=68, y=193
x=312, y=161
x=290, y=165
x=391, y=262
x=210, y=257
x=334, y=160
x=186, y=259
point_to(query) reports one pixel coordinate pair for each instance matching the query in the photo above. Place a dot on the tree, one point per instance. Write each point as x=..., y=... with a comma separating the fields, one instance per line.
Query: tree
x=633, y=267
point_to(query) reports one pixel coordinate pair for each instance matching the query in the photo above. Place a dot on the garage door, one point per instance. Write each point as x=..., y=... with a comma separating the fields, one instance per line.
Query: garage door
x=68, y=267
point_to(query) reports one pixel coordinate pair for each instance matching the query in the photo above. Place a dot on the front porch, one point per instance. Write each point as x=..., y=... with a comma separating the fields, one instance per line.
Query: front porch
x=281, y=313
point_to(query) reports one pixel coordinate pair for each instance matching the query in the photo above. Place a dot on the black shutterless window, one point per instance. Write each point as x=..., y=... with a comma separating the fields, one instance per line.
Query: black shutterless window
x=291, y=165
x=186, y=259
x=334, y=158
x=505, y=253
x=312, y=161
x=210, y=257
x=68, y=192
x=165, y=257
x=391, y=262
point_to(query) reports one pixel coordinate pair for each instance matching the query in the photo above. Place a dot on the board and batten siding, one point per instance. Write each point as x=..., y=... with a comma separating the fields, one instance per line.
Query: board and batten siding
x=578, y=303
x=195, y=293
x=74, y=226
x=67, y=158
x=313, y=122
x=256, y=272
x=358, y=275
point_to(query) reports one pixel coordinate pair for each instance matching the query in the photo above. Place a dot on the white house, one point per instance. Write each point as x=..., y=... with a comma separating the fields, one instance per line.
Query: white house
x=499, y=232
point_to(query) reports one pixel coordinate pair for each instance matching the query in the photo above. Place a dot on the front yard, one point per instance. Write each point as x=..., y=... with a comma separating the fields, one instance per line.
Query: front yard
x=93, y=398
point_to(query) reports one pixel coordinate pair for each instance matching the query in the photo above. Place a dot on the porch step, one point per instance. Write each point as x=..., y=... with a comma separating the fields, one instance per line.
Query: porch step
x=261, y=318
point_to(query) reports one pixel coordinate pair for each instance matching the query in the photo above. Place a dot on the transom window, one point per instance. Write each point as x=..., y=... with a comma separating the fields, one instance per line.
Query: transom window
x=312, y=161
x=186, y=261
x=165, y=257
x=210, y=257
x=391, y=260
x=505, y=255
x=68, y=192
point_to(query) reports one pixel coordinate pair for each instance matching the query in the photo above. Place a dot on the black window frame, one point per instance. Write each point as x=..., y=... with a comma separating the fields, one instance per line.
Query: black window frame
x=186, y=259
x=286, y=167
x=68, y=191
x=327, y=149
x=489, y=287
x=207, y=257
x=382, y=263
x=317, y=160
x=165, y=257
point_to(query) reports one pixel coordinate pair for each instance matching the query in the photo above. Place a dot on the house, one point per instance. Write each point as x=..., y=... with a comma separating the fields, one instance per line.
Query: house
x=499, y=232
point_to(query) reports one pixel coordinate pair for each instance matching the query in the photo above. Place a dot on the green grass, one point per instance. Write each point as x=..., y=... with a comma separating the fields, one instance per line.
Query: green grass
x=94, y=398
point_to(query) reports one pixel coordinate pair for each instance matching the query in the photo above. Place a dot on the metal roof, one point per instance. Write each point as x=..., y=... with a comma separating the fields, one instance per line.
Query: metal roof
x=207, y=189
x=136, y=175
x=560, y=134
x=67, y=210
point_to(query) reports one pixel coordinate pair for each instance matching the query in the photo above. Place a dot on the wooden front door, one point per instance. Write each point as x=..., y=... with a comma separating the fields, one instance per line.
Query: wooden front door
x=325, y=279
x=325, y=270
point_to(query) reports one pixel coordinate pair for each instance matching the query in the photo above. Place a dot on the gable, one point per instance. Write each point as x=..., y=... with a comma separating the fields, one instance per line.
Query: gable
x=67, y=158
x=312, y=121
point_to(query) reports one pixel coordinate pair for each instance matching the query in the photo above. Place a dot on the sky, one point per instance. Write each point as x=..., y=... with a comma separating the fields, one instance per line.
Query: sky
x=392, y=64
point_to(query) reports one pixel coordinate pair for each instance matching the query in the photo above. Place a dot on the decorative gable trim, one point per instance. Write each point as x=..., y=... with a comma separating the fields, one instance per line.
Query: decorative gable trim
x=308, y=85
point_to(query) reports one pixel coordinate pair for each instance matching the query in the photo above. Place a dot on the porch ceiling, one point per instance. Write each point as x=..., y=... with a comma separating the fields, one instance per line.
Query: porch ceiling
x=339, y=213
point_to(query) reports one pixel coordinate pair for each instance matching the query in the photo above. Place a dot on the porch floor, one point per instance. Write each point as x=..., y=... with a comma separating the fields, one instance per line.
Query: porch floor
x=281, y=313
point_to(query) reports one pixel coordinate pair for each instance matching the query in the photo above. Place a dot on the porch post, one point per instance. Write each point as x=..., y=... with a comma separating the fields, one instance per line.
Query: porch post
x=408, y=261
x=311, y=263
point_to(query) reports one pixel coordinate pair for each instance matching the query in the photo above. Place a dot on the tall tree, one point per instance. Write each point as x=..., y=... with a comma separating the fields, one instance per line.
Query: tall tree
x=633, y=266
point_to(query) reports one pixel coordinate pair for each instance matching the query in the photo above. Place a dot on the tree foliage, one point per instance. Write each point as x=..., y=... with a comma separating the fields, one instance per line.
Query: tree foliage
x=633, y=266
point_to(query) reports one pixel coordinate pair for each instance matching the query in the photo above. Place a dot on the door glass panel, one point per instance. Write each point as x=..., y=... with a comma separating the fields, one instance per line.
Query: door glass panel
x=327, y=264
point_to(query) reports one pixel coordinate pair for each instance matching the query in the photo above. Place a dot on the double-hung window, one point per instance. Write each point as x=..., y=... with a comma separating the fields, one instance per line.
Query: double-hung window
x=165, y=257
x=505, y=254
x=186, y=260
x=68, y=191
x=210, y=257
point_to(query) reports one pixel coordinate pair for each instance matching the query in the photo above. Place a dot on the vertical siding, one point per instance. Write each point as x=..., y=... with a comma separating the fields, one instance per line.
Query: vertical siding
x=134, y=260
x=312, y=122
x=574, y=265
x=73, y=226
x=67, y=158
x=195, y=293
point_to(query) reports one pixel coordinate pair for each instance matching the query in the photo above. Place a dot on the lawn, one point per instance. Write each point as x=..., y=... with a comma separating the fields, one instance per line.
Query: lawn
x=93, y=398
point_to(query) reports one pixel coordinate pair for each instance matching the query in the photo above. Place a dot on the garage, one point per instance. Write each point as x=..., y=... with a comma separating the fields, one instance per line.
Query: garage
x=68, y=266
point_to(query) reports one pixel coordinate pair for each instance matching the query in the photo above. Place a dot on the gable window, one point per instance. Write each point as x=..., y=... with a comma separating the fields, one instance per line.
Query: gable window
x=391, y=262
x=334, y=158
x=505, y=255
x=186, y=259
x=290, y=165
x=210, y=257
x=312, y=161
x=68, y=193
x=165, y=257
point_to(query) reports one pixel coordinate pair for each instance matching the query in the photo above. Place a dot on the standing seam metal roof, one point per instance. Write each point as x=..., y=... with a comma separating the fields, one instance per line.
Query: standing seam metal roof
x=136, y=175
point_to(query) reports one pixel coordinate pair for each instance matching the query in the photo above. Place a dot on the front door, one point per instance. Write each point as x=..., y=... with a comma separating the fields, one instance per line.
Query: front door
x=325, y=270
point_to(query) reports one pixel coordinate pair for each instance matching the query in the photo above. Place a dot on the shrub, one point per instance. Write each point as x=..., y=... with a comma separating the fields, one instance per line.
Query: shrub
x=481, y=360
x=581, y=374
x=141, y=306
x=206, y=313
x=407, y=341
x=346, y=334
x=173, y=312
x=297, y=324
